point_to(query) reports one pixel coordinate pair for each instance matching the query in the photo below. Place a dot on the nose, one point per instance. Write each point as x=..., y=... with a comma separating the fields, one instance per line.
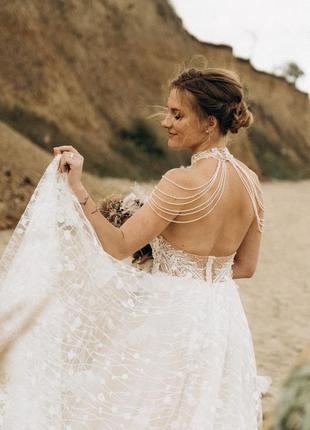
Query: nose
x=166, y=122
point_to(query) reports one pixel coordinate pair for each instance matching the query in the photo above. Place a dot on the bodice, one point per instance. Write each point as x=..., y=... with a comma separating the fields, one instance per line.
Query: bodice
x=178, y=262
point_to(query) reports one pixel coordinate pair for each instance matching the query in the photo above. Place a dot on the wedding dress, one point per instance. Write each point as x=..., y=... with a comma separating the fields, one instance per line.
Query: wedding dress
x=98, y=344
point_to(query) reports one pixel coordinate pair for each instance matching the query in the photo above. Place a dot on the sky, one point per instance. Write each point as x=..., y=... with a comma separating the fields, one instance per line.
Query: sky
x=269, y=33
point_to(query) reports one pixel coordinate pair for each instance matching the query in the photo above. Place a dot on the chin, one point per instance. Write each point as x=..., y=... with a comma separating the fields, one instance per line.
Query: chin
x=174, y=145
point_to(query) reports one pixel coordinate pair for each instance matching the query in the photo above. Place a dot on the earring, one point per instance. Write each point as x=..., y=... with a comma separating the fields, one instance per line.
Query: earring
x=208, y=133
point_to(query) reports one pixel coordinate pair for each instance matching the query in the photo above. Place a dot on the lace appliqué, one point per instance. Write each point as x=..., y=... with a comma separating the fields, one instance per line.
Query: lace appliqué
x=180, y=263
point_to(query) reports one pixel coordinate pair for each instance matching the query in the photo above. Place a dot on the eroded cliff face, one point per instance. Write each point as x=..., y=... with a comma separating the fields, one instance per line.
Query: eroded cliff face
x=22, y=164
x=87, y=73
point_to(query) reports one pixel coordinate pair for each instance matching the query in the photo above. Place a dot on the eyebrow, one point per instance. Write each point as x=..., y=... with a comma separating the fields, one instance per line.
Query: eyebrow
x=174, y=109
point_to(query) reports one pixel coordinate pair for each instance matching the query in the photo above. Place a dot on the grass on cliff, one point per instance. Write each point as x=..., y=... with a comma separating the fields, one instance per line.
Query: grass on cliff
x=143, y=151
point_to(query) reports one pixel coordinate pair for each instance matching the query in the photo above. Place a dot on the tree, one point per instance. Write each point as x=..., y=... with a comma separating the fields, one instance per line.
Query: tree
x=291, y=71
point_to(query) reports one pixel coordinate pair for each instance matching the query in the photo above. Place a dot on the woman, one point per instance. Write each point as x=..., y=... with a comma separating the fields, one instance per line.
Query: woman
x=117, y=348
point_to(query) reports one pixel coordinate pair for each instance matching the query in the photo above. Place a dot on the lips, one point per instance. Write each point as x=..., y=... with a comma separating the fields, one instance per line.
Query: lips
x=171, y=134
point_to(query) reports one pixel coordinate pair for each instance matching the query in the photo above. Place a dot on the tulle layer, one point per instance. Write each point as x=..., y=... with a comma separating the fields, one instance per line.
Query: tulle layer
x=97, y=344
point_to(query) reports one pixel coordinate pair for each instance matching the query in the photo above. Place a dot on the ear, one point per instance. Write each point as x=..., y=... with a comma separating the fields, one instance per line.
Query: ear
x=210, y=123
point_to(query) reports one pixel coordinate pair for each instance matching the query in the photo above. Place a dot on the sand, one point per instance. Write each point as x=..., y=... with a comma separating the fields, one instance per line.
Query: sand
x=277, y=298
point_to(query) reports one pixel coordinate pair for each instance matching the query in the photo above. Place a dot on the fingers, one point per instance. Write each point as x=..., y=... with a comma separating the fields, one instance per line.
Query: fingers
x=60, y=149
x=65, y=162
x=68, y=160
x=70, y=157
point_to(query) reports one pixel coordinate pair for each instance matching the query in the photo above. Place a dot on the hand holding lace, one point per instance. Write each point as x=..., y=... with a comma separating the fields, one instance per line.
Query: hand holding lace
x=71, y=162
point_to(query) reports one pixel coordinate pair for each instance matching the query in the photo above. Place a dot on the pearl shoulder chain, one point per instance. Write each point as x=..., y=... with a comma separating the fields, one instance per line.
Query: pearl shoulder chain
x=158, y=198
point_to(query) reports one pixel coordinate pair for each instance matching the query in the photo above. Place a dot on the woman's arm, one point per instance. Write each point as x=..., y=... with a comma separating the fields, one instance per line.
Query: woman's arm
x=143, y=226
x=110, y=237
x=140, y=228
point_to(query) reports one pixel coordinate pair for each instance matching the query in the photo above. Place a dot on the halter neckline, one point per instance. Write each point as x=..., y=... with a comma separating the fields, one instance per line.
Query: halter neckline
x=215, y=152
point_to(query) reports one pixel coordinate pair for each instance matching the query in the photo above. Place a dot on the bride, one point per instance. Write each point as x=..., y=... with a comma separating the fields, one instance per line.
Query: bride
x=110, y=347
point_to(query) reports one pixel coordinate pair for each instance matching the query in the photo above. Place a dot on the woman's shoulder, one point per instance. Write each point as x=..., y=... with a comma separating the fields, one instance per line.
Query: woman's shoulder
x=186, y=178
x=177, y=174
x=189, y=177
x=177, y=183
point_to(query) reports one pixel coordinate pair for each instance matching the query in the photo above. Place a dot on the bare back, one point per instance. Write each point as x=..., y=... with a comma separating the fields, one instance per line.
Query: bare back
x=223, y=230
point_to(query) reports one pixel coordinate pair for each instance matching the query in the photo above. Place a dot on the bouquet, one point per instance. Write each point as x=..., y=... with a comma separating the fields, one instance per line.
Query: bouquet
x=117, y=210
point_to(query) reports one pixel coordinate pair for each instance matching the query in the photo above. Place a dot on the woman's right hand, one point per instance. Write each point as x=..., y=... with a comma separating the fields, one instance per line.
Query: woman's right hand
x=71, y=161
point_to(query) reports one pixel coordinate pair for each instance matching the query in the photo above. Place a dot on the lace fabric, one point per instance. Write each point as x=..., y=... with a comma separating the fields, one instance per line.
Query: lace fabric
x=107, y=346
x=177, y=262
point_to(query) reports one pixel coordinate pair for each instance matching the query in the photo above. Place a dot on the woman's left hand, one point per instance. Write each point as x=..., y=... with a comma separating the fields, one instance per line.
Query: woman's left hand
x=71, y=161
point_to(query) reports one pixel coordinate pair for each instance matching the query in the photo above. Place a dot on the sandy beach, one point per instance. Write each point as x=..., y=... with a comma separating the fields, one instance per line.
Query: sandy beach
x=277, y=298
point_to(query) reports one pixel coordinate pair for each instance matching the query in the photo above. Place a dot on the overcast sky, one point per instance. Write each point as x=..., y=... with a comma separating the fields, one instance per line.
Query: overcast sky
x=269, y=33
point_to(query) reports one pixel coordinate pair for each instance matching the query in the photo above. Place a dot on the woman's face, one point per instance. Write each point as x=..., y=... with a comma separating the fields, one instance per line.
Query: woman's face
x=185, y=131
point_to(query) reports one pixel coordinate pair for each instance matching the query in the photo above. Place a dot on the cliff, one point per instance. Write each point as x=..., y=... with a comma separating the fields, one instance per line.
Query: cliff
x=22, y=164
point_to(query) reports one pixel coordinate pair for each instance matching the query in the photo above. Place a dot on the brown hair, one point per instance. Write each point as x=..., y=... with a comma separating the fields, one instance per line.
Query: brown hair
x=217, y=92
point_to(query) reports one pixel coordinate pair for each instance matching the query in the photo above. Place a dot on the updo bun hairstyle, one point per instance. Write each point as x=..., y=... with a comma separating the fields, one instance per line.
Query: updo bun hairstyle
x=216, y=92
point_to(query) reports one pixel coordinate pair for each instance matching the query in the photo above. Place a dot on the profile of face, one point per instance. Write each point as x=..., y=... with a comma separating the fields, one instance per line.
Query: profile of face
x=185, y=129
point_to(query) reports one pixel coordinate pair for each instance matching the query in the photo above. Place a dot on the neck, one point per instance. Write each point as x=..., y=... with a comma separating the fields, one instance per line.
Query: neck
x=204, y=146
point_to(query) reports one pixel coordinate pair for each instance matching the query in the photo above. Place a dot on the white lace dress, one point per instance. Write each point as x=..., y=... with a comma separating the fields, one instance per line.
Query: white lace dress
x=100, y=345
